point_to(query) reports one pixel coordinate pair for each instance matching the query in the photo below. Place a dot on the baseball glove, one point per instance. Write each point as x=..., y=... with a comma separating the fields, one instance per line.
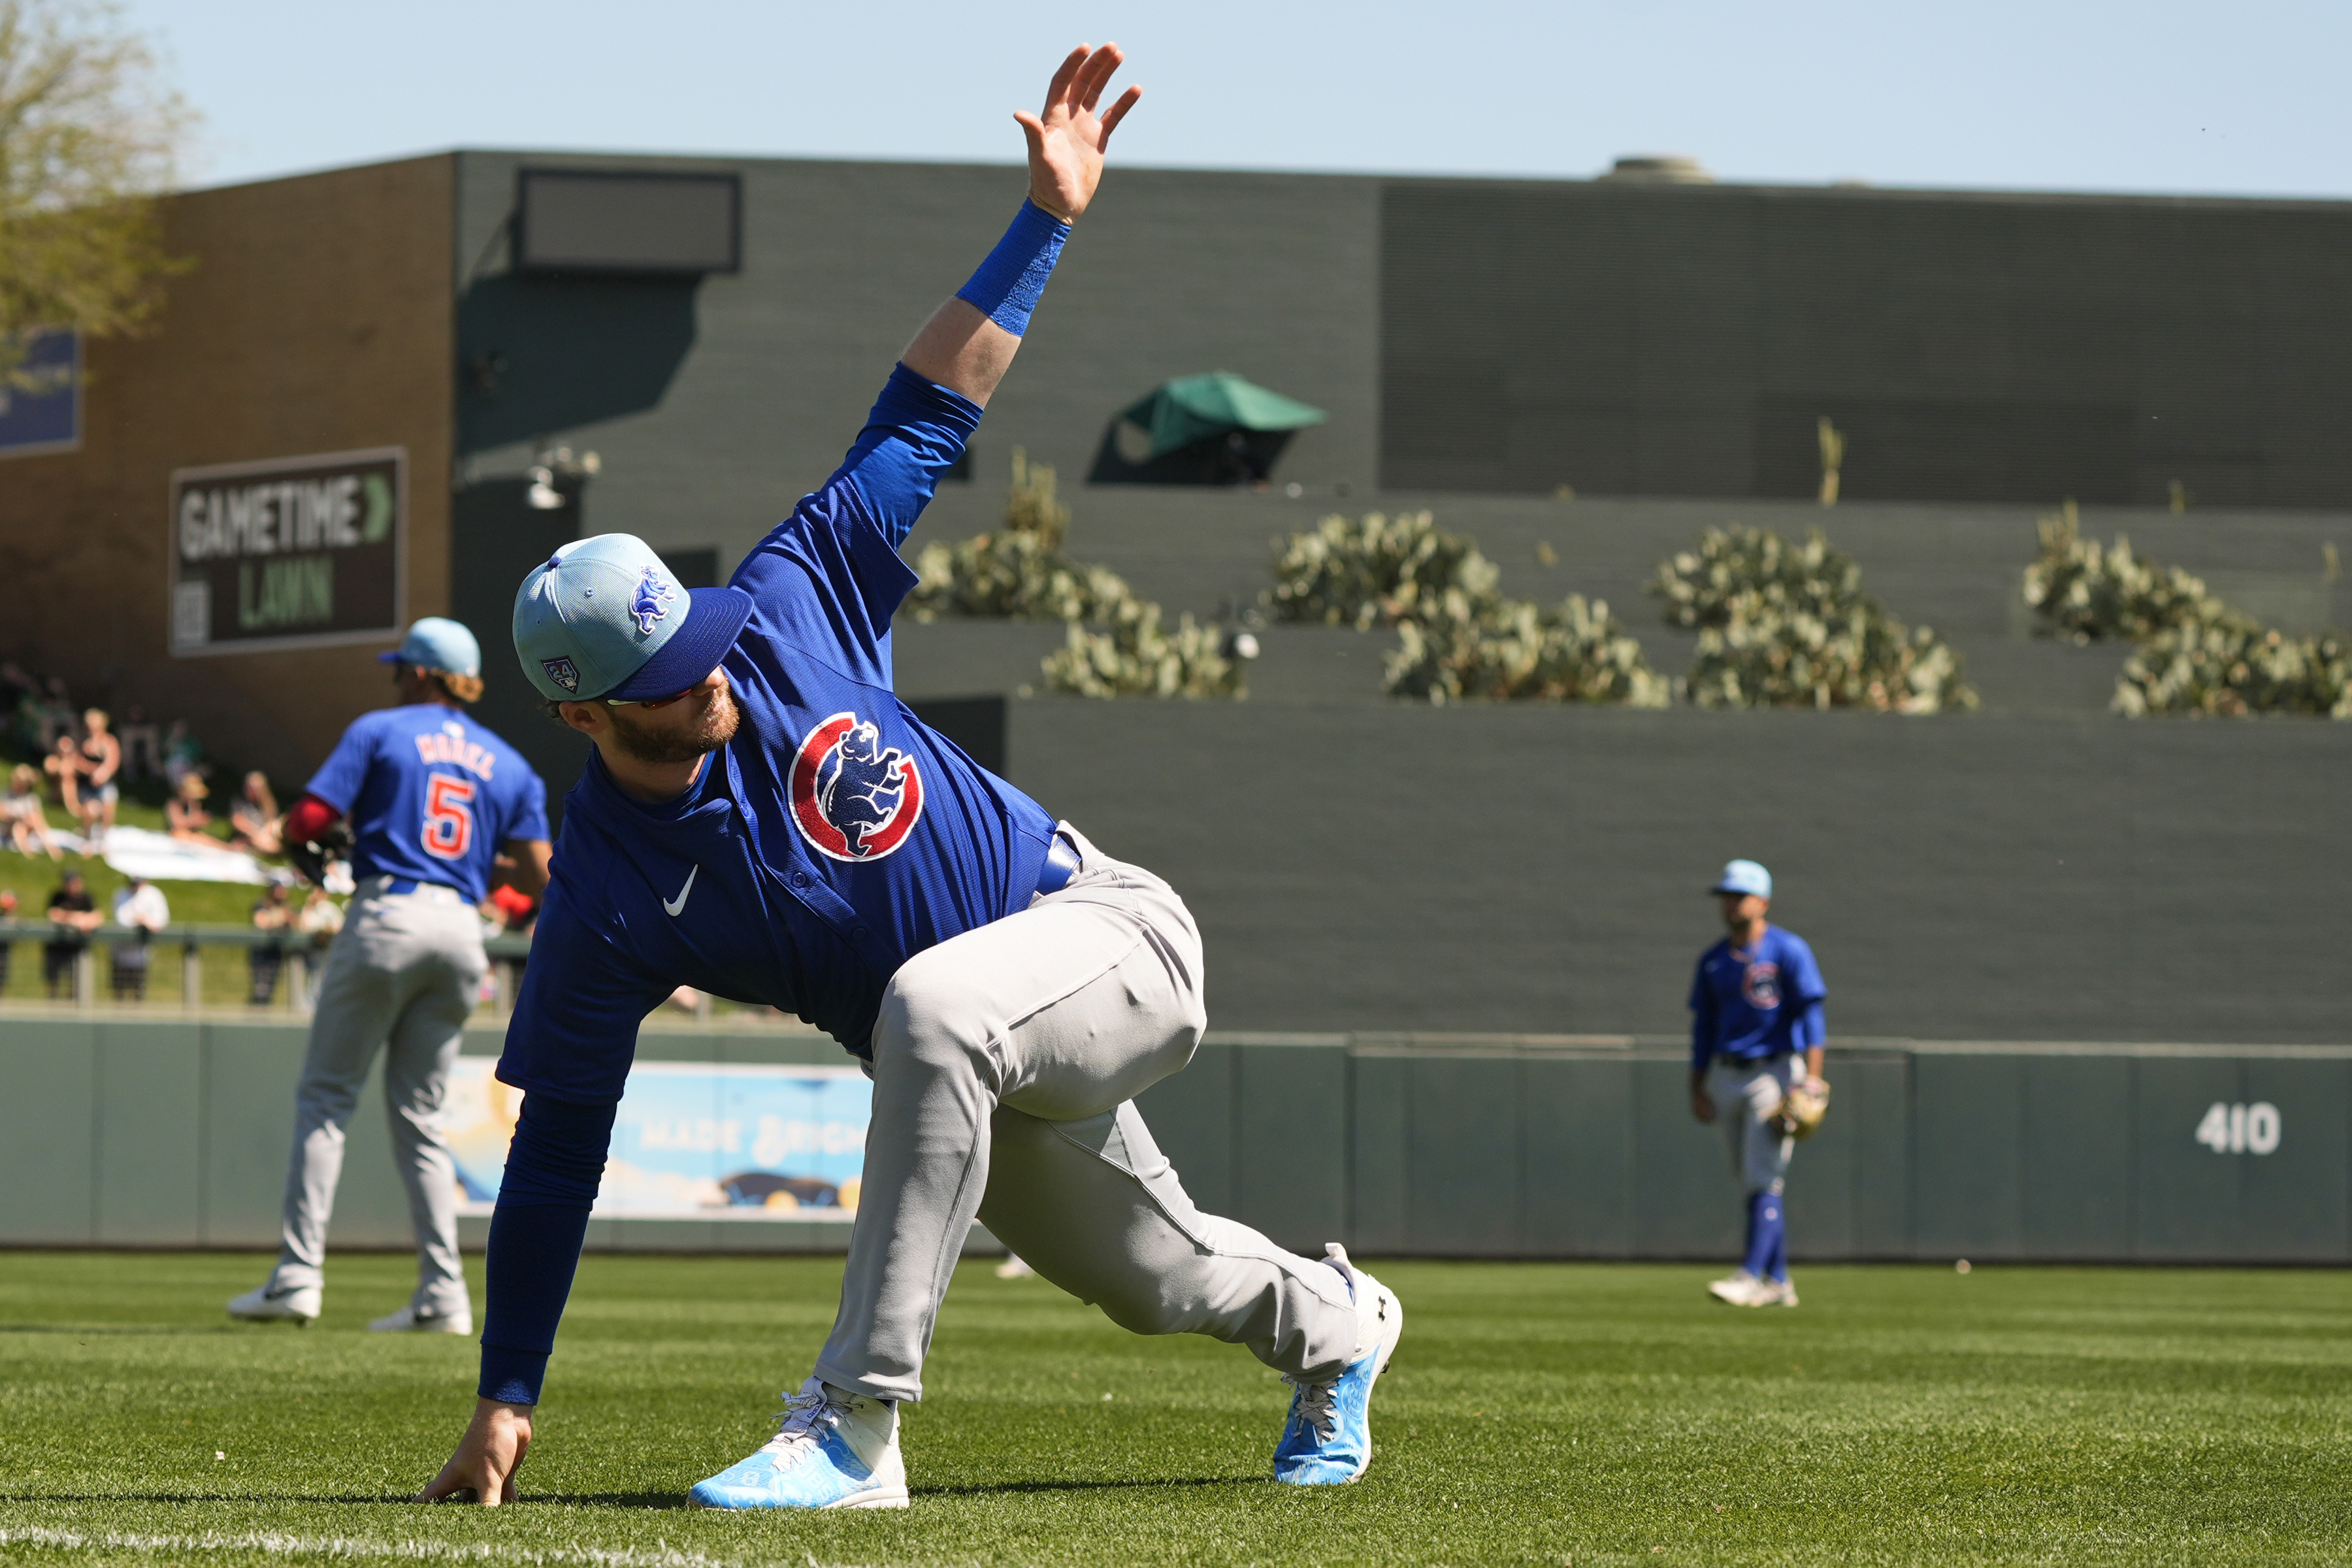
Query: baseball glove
x=311, y=856
x=1804, y=1107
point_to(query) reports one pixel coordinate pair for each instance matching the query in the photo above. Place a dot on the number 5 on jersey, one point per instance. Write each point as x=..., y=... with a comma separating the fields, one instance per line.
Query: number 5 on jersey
x=448, y=817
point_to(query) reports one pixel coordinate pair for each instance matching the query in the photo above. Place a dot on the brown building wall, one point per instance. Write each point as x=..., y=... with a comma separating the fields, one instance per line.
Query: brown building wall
x=316, y=318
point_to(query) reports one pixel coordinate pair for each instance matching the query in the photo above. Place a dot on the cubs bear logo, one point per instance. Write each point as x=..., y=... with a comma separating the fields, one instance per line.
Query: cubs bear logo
x=854, y=798
x=1761, y=986
x=652, y=601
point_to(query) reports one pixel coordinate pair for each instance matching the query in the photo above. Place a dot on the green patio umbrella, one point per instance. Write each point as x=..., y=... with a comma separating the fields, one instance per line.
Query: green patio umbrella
x=1182, y=411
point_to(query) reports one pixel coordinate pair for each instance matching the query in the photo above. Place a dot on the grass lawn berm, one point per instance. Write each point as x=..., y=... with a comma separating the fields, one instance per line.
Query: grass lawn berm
x=1582, y=1413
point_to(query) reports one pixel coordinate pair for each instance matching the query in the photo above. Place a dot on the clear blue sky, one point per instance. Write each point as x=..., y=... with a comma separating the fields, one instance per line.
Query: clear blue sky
x=2245, y=98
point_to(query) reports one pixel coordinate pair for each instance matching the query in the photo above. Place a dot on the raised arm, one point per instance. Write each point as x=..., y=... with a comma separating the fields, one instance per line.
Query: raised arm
x=970, y=340
x=829, y=576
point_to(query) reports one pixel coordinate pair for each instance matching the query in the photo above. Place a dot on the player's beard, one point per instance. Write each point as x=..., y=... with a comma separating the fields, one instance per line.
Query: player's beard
x=712, y=729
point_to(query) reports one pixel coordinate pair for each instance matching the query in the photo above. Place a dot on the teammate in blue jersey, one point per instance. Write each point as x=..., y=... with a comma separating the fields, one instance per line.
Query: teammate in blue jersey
x=762, y=818
x=1756, y=1018
x=432, y=798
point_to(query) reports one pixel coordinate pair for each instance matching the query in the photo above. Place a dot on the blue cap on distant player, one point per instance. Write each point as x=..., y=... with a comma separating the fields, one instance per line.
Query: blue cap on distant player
x=1744, y=876
x=605, y=617
x=433, y=643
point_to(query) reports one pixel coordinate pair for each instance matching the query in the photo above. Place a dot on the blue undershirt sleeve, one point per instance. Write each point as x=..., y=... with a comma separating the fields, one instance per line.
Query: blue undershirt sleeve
x=1703, y=1021
x=916, y=432
x=554, y=1167
x=1812, y=1028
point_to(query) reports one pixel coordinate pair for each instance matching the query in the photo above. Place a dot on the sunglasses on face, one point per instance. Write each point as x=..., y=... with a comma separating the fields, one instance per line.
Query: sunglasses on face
x=650, y=703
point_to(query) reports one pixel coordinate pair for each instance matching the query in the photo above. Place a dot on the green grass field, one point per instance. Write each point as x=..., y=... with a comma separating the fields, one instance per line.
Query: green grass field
x=1584, y=1413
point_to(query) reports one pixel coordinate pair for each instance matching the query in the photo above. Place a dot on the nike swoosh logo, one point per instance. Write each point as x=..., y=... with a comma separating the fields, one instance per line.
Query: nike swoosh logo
x=677, y=906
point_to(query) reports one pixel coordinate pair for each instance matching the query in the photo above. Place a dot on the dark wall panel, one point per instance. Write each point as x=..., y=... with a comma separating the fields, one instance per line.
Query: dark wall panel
x=1191, y=1118
x=1873, y=1099
x=48, y=1133
x=1464, y=1157
x=149, y=1142
x=1580, y=1138
x=1683, y=341
x=1379, y=1086
x=2295, y=1197
x=1963, y=877
x=1967, y=1169
x=2076, y=1153
x=1686, y=1201
x=1291, y=1145
x=2190, y=1199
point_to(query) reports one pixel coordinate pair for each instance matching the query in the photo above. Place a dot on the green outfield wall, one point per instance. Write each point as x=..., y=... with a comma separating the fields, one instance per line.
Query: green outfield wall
x=129, y=1133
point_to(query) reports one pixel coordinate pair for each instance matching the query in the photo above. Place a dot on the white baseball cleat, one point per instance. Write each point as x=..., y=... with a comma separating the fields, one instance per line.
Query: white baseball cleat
x=1784, y=1292
x=273, y=1302
x=836, y=1449
x=1741, y=1289
x=409, y=1321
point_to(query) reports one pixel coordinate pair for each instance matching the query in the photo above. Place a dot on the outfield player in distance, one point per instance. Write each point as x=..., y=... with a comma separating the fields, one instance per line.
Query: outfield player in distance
x=1756, y=1009
x=762, y=817
x=431, y=796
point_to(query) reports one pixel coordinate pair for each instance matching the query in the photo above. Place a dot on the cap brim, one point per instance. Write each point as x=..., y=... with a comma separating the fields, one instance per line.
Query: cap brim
x=391, y=657
x=714, y=619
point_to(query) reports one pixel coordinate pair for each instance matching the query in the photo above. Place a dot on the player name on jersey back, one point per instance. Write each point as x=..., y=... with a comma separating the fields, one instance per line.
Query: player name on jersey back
x=441, y=747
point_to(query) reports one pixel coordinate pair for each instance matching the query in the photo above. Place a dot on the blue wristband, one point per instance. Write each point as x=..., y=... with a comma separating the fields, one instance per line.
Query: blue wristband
x=1006, y=287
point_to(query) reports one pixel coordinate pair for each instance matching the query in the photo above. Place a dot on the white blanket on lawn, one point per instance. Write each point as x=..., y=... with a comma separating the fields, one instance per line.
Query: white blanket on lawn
x=160, y=857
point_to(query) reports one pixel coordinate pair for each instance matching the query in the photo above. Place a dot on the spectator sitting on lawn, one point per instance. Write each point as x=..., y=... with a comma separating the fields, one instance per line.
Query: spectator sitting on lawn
x=139, y=906
x=28, y=825
x=101, y=761
x=74, y=915
x=63, y=766
x=185, y=815
x=253, y=821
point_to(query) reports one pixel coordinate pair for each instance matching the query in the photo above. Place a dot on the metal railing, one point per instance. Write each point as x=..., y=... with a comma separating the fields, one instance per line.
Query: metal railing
x=297, y=953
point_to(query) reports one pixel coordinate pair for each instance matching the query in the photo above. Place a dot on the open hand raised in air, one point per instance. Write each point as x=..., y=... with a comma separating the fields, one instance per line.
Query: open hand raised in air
x=1066, y=137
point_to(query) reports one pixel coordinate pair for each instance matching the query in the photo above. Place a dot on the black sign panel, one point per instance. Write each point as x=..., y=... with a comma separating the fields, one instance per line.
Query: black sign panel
x=291, y=553
x=589, y=220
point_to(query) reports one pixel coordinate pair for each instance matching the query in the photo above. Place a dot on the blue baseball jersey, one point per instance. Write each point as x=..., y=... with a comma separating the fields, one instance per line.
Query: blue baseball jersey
x=432, y=795
x=835, y=836
x=1756, y=1006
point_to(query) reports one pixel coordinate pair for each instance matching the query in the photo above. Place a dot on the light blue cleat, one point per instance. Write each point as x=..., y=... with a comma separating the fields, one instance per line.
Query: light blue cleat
x=836, y=1449
x=1328, y=1441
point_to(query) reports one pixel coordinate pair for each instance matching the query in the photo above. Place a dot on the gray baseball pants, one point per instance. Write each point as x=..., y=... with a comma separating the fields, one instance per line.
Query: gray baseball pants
x=402, y=975
x=1747, y=1098
x=1006, y=1065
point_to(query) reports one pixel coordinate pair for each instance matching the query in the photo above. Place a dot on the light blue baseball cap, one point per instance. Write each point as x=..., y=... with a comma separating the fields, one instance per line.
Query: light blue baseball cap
x=435, y=643
x=1744, y=876
x=605, y=617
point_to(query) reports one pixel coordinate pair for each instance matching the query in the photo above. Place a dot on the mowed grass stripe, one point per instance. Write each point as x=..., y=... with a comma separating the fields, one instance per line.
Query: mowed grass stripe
x=1536, y=1413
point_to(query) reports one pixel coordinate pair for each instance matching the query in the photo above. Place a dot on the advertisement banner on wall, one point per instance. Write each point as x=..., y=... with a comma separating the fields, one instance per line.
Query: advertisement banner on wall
x=40, y=405
x=289, y=552
x=692, y=1140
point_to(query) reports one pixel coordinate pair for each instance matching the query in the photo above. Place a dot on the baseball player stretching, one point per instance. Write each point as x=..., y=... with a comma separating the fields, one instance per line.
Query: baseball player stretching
x=431, y=795
x=761, y=819
x=1755, y=1004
